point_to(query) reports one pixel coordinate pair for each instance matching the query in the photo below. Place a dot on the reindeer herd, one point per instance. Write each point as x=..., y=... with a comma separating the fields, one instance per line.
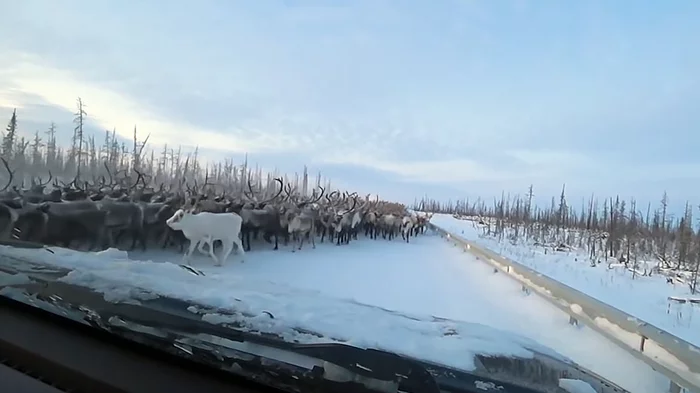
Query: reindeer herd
x=105, y=212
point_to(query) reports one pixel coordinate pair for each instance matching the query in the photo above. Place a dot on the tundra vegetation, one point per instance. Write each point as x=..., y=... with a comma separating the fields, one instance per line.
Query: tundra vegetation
x=90, y=196
x=609, y=230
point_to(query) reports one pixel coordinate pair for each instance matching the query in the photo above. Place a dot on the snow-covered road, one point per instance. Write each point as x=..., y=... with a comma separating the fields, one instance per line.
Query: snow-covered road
x=327, y=290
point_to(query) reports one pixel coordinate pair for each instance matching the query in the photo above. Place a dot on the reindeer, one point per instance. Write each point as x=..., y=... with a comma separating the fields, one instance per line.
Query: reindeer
x=209, y=227
x=98, y=212
x=302, y=219
x=343, y=223
x=266, y=218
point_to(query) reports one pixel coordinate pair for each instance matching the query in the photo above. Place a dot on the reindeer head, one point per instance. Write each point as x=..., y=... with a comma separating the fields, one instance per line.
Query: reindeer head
x=175, y=222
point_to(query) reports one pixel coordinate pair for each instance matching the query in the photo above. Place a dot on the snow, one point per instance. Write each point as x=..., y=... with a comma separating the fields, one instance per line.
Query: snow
x=646, y=298
x=651, y=348
x=575, y=386
x=425, y=299
x=13, y=279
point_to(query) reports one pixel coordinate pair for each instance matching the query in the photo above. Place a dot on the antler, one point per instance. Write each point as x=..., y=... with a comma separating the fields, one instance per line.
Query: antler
x=12, y=174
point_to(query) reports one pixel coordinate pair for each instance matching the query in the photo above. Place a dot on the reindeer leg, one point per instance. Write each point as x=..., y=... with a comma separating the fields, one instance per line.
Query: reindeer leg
x=94, y=237
x=201, y=246
x=143, y=237
x=190, y=250
x=111, y=242
x=228, y=247
x=247, y=238
x=165, y=238
x=118, y=233
x=182, y=243
x=135, y=237
x=266, y=236
x=213, y=256
x=239, y=247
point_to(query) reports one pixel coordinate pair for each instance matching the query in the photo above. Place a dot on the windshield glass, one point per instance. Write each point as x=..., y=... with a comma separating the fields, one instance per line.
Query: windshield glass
x=349, y=174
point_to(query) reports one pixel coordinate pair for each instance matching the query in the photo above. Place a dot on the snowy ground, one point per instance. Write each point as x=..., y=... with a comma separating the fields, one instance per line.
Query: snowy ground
x=425, y=299
x=646, y=298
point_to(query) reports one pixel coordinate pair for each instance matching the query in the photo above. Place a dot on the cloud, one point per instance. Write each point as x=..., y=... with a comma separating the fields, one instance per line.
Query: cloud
x=111, y=109
x=423, y=171
x=459, y=96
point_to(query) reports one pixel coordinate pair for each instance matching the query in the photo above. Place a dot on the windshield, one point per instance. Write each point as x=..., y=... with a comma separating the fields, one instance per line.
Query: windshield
x=325, y=178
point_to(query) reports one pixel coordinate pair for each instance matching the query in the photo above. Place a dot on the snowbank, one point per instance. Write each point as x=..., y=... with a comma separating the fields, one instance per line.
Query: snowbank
x=646, y=298
x=442, y=341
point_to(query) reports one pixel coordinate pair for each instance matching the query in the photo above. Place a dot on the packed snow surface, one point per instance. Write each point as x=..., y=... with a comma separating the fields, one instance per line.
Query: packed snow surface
x=575, y=386
x=646, y=298
x=425, y=299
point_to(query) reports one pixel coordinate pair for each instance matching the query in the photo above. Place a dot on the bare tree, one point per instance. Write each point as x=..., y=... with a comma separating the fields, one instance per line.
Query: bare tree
x=37, y=157
x=51, y=152
x=613, y=229
x=8, y=138
x=78, y=135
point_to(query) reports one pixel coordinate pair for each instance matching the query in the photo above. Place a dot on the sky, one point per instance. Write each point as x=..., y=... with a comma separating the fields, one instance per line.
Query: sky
x=450, y=98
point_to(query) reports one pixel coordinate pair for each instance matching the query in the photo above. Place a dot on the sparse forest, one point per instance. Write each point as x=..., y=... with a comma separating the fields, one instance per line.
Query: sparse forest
x=608, y=229
x=33, y=160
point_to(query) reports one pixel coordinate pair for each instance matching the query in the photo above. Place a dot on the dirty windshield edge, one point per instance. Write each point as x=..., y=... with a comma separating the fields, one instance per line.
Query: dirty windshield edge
x=166, y=324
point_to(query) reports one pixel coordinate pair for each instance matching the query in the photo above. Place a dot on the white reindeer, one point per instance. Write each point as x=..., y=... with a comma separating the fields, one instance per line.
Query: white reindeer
x=301, y=224
x=209, y=227
x=407, y=224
